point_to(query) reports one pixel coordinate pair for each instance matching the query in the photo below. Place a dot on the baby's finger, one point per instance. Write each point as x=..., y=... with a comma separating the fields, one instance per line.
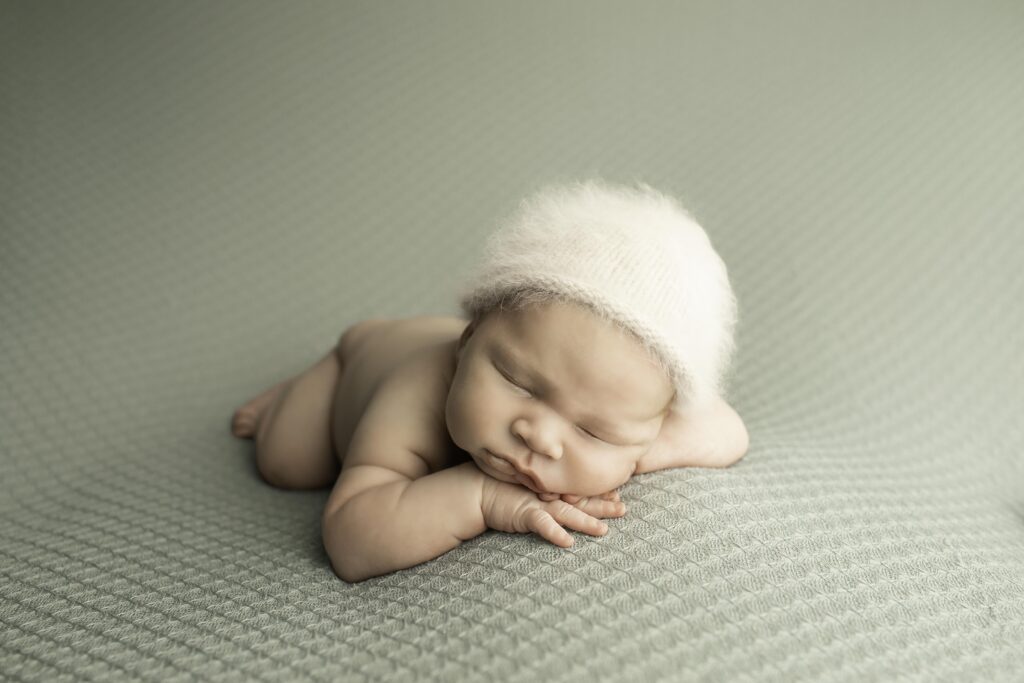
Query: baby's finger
x=543, y=524
x=547, y=497
x=599, y=507
x=611, y=495
x=573, y=517
x=571, y=499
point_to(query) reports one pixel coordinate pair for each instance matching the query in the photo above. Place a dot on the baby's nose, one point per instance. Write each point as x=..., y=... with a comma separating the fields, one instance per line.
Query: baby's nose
x=538, y=439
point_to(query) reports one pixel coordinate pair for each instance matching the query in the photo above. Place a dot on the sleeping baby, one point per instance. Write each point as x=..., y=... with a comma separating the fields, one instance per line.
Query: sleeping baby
x=598, y=330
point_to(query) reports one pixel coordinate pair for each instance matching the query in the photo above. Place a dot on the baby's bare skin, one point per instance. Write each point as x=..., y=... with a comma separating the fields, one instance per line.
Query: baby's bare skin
x=389, y=417
x=372, y=349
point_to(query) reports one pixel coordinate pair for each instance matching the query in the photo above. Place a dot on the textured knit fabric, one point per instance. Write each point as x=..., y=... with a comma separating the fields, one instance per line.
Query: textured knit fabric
x=197, y=198
x=632, y=256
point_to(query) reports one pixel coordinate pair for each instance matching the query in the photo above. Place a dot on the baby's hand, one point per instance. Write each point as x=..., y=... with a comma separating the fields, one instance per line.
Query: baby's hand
x=595, y=505
x=516, y=509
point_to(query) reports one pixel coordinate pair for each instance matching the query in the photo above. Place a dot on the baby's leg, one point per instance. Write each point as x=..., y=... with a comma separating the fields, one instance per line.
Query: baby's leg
x=291, y=423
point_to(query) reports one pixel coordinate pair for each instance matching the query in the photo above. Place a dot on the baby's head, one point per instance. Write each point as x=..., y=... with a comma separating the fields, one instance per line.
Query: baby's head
x=597, y=310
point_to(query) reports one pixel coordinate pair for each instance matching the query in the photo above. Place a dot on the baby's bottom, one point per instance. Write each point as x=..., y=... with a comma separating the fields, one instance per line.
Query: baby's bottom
x=291, y=425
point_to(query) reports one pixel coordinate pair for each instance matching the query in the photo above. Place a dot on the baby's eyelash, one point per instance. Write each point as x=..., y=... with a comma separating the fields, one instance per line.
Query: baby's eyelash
x=591, y=435
x=518, y=386
x=513, y=382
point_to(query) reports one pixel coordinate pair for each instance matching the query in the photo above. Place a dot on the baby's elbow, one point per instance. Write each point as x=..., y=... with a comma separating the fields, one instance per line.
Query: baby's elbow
x=335, y=544
x=341, y=564
x=742, y=442
x=735, y=441
x=344, y=572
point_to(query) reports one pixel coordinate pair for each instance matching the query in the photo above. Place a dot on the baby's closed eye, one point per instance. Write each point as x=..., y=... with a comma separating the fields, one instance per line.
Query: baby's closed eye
x=593, y=436
x=588, y=433
x=508, y=378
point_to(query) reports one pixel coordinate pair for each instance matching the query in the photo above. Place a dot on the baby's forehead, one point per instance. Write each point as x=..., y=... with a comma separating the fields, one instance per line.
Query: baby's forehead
x=510, y=334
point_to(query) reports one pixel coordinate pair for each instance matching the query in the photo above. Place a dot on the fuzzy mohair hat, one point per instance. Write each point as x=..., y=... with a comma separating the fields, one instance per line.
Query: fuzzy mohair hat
x=633, y=256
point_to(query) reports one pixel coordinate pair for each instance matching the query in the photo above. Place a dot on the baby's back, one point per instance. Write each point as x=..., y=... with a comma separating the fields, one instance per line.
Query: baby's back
x=371, y=351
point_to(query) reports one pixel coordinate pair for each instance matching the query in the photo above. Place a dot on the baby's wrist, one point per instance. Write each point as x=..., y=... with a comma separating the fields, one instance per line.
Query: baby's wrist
x=474, y=480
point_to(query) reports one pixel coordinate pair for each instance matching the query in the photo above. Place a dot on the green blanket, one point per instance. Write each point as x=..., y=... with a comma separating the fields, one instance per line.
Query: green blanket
x=197, y=198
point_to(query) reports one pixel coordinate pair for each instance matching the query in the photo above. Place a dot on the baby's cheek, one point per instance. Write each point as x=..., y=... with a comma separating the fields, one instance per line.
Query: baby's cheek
x=619, y=471
x=462, y=416
x=592, y=478
x=454, y=419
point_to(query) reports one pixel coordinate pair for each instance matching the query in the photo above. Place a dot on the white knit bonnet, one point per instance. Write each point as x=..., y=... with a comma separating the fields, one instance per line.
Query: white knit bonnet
x=633, y=256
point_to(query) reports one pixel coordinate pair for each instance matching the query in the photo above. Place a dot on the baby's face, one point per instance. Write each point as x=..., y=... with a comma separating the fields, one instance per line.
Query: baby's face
x=555, y=399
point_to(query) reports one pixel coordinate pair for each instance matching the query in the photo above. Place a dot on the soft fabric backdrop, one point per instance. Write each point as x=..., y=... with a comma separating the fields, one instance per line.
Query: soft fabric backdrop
x=196, y=198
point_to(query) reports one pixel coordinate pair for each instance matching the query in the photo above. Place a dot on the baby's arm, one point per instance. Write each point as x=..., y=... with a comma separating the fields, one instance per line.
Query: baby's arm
x=714, y=437
x=391, y=526
x=395, y=504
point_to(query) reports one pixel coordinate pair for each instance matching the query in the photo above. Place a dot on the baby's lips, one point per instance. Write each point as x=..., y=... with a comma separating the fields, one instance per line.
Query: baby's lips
x=528, y=483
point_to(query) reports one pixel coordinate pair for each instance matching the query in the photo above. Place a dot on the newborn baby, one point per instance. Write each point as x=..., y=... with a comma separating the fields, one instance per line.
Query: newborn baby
x=600, y=325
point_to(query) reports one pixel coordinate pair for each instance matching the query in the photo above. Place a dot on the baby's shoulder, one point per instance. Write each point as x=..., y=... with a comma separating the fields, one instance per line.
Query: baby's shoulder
x=422, y=353
x=407, y=411
x=428, y=371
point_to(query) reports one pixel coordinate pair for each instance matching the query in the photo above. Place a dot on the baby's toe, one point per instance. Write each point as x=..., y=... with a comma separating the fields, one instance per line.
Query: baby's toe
x=243, y=424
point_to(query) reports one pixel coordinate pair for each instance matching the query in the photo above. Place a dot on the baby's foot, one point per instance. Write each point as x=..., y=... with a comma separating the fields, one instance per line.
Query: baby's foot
x=246, y=419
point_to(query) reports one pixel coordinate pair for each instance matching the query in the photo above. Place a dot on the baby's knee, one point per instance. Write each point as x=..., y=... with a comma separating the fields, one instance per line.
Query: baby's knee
x=280, y=470
x=273, y=470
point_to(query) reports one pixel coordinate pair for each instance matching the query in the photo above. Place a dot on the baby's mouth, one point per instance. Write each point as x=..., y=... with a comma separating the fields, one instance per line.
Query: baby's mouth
x=527, y=481
x=505, y=467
